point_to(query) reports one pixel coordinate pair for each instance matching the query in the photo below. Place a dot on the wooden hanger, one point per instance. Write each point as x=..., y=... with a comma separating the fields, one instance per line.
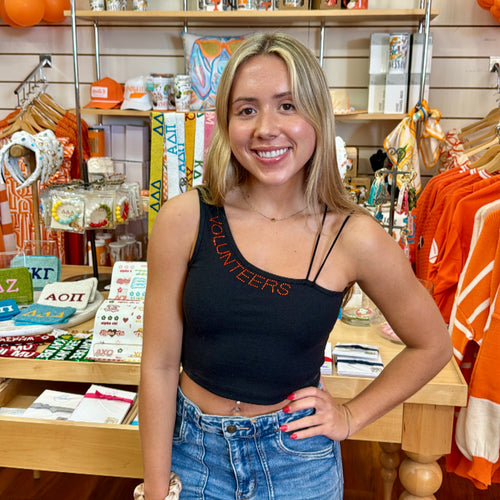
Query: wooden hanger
x=491, y=118
x=482, y=147
x=485, y=145
x=486, y=157
x=489, y=161
x=50, y=113
x=51, y=103
x=43, y=120
x=493, y=166
x=479, y=139
x=40, y=113
x=22, y=122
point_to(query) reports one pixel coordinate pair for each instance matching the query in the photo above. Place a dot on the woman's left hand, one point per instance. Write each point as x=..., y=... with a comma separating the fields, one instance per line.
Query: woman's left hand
x=329, y=418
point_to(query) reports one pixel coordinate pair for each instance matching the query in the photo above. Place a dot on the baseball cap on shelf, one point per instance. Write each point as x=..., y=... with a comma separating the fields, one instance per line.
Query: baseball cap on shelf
x=105, y=94
x=136, y=96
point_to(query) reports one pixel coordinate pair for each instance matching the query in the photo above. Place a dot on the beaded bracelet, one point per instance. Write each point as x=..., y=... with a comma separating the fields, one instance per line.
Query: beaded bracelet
x=121, y=212
x=103, y=215
x=62, y=205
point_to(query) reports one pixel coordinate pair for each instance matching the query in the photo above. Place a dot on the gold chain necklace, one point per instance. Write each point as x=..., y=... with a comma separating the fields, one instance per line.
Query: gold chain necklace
x=272, y=219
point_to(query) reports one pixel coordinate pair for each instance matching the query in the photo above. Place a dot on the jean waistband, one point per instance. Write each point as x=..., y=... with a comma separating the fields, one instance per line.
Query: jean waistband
x=235, y=426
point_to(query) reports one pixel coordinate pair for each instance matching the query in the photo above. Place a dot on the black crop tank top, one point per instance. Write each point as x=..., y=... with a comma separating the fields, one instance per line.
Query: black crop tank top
x=250, y=335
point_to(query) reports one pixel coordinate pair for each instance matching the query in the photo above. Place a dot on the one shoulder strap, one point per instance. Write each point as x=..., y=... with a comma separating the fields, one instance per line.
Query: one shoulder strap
x=331, y=248
x=316, y=243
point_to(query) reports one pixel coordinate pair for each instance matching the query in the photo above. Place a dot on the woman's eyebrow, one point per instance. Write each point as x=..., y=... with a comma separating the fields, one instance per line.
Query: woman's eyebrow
x=281, y=95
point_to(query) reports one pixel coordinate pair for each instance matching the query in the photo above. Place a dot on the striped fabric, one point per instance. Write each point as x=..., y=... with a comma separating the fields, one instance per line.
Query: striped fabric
x=476, y=329
x=8, y=240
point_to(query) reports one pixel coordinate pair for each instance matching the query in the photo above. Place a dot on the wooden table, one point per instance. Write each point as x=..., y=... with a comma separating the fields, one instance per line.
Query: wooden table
x=422, y=425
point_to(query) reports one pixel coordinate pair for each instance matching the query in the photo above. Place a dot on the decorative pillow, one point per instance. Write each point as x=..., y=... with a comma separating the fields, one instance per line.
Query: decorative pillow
x=206, y=56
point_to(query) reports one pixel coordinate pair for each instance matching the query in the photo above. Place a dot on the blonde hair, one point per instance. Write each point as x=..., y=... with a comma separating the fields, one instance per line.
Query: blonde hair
x=311, y=96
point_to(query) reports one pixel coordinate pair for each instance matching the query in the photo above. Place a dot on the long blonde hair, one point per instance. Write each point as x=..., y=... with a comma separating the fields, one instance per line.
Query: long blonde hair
x=311, y=96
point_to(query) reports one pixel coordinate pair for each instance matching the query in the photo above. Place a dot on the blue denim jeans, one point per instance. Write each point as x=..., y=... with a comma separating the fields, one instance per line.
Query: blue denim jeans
x=239, y=458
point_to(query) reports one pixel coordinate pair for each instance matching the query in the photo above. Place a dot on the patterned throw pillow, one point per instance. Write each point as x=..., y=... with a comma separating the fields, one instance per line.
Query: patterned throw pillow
x=206, y=57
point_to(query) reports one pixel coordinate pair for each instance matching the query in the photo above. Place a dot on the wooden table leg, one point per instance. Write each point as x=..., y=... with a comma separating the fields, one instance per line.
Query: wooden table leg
x=389, y=460
x=421, y=476
x=427, y=435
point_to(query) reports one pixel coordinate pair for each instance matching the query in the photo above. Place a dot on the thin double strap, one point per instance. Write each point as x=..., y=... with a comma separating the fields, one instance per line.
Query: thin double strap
x=329, y=250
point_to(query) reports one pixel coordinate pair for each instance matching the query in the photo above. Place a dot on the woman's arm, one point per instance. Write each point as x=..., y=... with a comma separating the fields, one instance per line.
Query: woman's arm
x=385, y=275
x=172, y=238
x=373, y=259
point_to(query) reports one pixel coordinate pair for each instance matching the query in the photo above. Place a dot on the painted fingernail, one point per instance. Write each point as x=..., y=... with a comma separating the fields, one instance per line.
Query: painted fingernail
x=293, y=436
x=283, y=427
x=291, y=397
x=286, y=409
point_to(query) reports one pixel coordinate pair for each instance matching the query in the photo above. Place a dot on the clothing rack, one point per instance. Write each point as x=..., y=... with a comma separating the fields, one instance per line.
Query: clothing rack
x=25, y=94
x=33, y=80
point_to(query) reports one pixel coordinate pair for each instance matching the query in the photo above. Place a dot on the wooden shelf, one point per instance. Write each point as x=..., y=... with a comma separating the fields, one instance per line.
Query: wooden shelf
x=339, y=117
x=70, y=371
x=114, y=112
x=366, y=117
x=327, y=17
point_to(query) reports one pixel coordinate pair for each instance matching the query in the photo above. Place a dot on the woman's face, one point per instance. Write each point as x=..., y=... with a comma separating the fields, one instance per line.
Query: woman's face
x=268, y=137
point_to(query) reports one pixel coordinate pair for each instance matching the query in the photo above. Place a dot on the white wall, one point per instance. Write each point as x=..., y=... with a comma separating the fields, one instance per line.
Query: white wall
x=462, y=88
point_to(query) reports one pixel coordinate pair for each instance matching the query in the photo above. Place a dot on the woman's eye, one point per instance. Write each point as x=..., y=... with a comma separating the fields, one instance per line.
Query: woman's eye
x=246, y=111
x=288, y=106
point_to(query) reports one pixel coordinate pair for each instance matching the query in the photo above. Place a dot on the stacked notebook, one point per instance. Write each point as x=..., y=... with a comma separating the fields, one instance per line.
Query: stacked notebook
x=357, y=360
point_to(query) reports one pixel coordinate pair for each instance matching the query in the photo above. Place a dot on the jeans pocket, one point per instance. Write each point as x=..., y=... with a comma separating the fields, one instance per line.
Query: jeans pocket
x=179, y=435
x=312, y=447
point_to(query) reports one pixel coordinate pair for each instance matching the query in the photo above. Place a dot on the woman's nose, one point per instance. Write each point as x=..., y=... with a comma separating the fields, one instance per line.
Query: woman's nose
x=267, y=124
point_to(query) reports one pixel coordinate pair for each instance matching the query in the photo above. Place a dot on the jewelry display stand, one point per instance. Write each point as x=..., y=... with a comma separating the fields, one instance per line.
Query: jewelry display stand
x=394, y=172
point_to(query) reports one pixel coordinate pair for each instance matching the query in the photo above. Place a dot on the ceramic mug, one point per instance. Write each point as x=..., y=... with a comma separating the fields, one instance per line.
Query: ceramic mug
x=116, y=5
x=97, y=5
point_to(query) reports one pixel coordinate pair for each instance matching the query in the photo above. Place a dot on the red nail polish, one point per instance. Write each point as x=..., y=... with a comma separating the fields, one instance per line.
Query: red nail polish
x=293, y=436
x=286, y=409
x=291, y=397
x=283, y=427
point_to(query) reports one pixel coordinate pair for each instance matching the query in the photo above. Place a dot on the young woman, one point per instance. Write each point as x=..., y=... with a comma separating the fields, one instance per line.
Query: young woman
x=245, y=280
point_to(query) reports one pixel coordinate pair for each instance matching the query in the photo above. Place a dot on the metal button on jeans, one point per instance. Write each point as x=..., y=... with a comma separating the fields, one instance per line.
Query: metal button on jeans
x=231, y=428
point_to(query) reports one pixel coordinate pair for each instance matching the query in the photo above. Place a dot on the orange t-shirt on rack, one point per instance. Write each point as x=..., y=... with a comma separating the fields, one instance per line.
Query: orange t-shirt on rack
x=427, y=199
x=474, y=453
x=439, y=239
x=424, y=250
x=457, y=246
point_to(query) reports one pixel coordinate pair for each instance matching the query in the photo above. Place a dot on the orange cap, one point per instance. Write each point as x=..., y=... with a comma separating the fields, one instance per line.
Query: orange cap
x=105, y=94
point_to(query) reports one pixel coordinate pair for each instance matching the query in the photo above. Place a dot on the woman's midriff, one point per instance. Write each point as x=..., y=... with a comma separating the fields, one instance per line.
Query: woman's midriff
x=211, y=404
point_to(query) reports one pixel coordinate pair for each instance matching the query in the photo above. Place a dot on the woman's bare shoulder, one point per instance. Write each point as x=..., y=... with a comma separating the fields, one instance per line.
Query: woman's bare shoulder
x=183, y=208
x=176, y=224
x=366, y=239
